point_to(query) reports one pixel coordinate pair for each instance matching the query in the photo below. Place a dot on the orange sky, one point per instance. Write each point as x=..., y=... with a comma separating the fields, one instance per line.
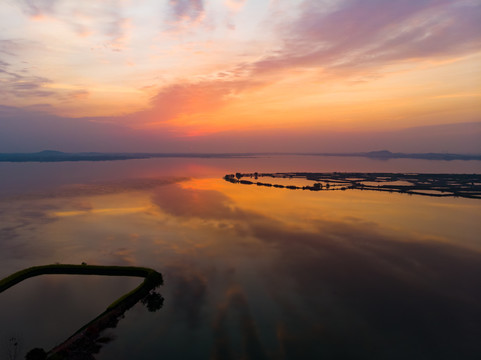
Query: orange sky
x=187, y=72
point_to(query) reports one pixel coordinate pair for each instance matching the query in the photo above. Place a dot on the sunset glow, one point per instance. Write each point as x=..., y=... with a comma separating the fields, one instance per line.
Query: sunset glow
x=195, y=75
x=292, y=179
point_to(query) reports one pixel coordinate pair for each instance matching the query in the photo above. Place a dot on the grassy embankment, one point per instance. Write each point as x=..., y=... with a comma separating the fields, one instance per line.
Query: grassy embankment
x=152, y=277
x=87, y=336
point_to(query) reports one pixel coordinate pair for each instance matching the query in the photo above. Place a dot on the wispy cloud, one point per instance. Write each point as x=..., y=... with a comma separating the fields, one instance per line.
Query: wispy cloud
x=368, y=33
x=115, y=26
x=84, y=18
x=18, y=84
x=288, y=58
x=17, y=81
x=78, y=94
x=187, y=10
x=354, y=37
x=235, y=5
x=38, y=8
x=10, y=47
x=191, y=98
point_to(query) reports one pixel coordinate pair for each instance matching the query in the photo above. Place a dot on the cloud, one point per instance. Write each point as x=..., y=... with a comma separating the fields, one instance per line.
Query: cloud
x=78, y=94
x=20, y=85
x=106, y=21
x=198, y=97
x=364, y=34
x=347, y=38
x=115, y=26
x=37, y=8
x=355, y=37
x=235, y=5
x=350, y=37
x=192, y=98
x=18, y=81
x=3, y=65
x=9, y=47
x=187, y=10
x=85, y=19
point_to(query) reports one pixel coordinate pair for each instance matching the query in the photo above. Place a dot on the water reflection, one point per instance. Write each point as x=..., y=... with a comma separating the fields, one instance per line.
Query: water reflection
x=338, y=288
x=89, y=339
x=256, y=272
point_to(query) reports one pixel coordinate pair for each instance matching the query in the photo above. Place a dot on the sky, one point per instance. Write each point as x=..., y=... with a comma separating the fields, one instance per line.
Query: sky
x=240, y=75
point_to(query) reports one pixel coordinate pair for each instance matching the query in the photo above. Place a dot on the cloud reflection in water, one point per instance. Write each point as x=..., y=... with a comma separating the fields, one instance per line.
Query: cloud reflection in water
x=345, y=287
x=249, y=275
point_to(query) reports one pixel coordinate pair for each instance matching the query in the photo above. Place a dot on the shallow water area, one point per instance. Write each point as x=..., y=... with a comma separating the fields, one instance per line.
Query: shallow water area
x=250, y=272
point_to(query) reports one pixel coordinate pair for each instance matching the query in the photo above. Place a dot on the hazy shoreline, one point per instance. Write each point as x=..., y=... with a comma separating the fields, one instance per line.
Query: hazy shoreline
x=58, y=156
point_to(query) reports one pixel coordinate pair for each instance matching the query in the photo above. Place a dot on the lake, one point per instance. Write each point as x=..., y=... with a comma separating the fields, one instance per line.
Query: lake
x=249, y=272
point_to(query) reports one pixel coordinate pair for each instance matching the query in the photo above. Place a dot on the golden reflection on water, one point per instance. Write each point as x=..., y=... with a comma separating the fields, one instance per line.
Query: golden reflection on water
x=439, y=219
x=130, y=226
x=288, y=272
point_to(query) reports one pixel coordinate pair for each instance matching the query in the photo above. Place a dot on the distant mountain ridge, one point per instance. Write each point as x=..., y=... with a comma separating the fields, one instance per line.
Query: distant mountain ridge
x=57, y=156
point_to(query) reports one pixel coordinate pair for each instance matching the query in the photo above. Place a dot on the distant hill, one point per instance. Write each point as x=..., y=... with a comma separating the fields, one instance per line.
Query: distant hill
x=57, y=156
x=385, y=154
x=50, y=152
x=54, y=156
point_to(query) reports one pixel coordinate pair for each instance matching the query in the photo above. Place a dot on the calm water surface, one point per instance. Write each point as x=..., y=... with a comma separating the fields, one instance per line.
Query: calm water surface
x=250, y=272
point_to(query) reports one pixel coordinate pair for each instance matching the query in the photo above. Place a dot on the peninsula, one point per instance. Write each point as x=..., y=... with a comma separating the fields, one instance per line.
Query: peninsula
x=438, y=185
